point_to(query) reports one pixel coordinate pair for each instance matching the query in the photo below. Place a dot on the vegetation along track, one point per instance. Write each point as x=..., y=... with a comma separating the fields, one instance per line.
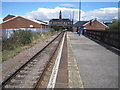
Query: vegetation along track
x=29, y=74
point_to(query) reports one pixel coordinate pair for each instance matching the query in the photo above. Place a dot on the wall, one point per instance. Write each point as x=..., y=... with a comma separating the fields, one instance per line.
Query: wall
x=19, y=22
x=106, y=36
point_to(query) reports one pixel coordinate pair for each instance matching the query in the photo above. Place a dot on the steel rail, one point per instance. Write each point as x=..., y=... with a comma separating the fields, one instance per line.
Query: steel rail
x=18, y=70
x=40, y=78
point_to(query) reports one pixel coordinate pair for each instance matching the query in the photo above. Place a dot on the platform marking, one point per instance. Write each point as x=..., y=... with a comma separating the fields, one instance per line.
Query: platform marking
x=53, y=76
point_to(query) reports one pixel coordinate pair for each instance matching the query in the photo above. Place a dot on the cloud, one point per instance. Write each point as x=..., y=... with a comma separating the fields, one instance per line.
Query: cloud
x=103, y=14
x=68, y=5
x=45, y=14
x=1, y=20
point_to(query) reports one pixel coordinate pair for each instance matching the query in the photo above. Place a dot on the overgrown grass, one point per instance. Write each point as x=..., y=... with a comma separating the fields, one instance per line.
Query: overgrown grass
x=8, y=52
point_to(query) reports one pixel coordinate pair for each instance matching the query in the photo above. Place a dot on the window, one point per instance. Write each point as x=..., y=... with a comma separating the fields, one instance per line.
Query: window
x=18, y=19
x=31, y=26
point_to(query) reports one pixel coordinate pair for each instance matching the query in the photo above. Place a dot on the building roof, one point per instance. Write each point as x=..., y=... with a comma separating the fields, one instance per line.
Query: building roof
x=40, y=21
x=84, y=23
x=93, y=21
x=80, y=23
x=36, y=21
x=59, y=20
x=8, y=17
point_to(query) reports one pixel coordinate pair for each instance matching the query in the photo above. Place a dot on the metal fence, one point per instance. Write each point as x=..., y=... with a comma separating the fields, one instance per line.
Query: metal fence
x=107, y=36
x=6, y=33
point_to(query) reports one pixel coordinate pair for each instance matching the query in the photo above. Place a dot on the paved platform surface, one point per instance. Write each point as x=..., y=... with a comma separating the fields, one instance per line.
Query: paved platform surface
x=74, y=78
x=98, y=66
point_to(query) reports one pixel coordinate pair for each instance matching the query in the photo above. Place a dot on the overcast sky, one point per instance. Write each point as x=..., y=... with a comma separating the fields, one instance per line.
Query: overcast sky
x=104, y=11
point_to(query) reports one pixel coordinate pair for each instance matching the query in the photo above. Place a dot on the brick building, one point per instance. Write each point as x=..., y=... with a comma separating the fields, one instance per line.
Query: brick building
x=93, y=24
x=66, y=23
x=18, y=22
x=12, y=22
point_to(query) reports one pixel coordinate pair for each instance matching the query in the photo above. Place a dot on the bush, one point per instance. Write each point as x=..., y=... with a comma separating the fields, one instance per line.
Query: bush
x=114, y=26
x=18, y=38
x=21, y=40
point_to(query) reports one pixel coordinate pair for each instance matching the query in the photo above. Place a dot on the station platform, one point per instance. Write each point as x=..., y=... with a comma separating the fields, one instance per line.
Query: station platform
x=90, y=65
x=78, y=62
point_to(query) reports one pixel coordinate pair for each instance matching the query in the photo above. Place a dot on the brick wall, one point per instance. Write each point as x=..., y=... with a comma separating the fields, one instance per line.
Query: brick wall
x=95, y=25
x=19, y=22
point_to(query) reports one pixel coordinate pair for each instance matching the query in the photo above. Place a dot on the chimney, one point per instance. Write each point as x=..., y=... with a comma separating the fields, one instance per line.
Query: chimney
x=90, y=23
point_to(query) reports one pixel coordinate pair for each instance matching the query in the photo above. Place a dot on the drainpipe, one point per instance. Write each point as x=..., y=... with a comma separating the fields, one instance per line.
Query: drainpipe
x=41, y=28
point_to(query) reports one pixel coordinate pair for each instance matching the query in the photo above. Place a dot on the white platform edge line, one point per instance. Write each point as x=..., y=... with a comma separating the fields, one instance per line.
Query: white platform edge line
x=53, y=76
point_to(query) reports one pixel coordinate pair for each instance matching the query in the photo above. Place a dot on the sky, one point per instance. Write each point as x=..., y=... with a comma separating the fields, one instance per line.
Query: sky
x=104, y=11
x=59, y=0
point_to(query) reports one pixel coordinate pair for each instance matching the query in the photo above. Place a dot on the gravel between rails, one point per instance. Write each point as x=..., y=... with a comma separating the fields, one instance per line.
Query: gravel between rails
x=11, y=65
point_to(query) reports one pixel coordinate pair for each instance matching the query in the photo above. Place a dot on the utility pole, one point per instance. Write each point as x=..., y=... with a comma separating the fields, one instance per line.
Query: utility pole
x=73, y=16
x=79, y=9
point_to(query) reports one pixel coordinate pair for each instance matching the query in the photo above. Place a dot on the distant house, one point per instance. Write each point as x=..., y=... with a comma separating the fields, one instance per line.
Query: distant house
x=12, y=22
x=93, y=24
x=61, y=22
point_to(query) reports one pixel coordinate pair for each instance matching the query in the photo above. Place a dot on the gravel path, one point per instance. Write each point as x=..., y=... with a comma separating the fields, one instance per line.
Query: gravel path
x=10, y=66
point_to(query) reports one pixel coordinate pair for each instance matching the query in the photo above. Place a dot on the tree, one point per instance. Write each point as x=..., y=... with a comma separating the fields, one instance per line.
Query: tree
x=55, y=27
x=114, y=26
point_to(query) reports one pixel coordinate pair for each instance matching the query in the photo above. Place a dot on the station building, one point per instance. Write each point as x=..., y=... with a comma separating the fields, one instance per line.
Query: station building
x=65, y=23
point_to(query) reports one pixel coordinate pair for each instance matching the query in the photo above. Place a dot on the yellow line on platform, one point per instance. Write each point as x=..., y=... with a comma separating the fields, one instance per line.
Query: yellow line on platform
x=75, y=80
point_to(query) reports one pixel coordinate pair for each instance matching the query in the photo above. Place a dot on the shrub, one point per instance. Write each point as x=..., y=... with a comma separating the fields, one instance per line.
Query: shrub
x=114, y=26
x=18, y=38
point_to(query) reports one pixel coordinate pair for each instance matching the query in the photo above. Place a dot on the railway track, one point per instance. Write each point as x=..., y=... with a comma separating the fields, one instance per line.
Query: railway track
x=30, y=74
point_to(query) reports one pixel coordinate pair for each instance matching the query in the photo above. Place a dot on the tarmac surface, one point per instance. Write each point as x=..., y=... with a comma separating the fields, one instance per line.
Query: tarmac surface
x=97, y=65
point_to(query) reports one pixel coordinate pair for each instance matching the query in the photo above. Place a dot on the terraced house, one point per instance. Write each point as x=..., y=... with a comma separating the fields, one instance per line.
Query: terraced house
x=12, y=22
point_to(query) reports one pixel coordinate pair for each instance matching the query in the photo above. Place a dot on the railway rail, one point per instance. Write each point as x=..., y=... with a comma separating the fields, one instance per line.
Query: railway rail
x=30, y=74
